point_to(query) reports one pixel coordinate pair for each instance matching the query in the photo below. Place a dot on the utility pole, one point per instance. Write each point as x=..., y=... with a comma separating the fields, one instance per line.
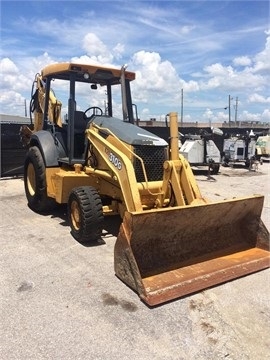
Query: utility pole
x=25, y=109
x=236, y=108
x=182, y=106
x=230, y=98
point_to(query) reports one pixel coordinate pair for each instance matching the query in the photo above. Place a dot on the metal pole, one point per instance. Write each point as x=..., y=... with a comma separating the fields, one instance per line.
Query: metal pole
x=182, y=106
x=229, y=110
x=25, y=109
x=236, y=108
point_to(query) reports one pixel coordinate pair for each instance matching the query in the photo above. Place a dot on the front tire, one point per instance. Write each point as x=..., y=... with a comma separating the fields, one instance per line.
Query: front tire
x=85, y=214
x=35, y=184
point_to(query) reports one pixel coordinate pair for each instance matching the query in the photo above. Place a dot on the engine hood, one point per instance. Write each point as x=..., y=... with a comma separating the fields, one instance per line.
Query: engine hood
x=129, y=133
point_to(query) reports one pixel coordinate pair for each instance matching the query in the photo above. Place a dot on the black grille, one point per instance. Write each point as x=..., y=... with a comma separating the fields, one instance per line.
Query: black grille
x=153, y=158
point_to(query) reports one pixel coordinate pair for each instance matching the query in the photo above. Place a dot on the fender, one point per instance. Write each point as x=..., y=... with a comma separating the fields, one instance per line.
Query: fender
x=50, y=145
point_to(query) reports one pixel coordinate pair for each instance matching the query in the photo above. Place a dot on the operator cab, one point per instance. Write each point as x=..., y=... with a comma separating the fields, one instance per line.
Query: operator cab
x=71, y=136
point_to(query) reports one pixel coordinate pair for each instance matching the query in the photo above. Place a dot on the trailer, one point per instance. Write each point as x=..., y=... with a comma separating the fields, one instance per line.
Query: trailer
x=239, y=149
x=201, y=150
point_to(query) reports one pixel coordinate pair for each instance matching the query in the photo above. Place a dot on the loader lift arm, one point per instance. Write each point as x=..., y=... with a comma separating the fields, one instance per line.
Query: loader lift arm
x=178, y=179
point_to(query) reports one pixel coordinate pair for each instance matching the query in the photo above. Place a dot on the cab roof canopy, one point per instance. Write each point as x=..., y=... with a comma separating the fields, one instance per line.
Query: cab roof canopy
x=86, y=73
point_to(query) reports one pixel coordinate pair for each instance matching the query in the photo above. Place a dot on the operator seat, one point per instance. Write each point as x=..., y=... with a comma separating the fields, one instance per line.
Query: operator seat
x=79, y=122
x=79, y=133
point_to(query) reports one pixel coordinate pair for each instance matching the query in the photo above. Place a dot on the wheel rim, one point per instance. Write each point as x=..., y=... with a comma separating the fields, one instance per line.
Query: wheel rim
x=75, y=215
x=31, y=179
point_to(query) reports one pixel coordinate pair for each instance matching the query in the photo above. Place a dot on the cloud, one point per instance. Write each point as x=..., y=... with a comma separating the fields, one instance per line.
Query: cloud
x=8, y=67
x=198, y=49
x=262, y=59
x=119, y=50
x=11, y=79
x=242, y=61
x=247, y=116
x=265, y=116
x=157, y=79
x=259, y=99
x=152, y=73
x=186, y=29
x=98, y=52
x=226, y=77
x=17, y=104
x=96, y=49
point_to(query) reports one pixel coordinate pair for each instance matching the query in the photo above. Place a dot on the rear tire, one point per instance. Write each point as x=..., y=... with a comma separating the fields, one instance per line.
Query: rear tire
x=85, y=214
x=35, y=184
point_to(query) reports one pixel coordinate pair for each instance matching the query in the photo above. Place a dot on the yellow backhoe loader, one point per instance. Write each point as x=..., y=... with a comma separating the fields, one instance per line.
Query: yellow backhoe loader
x=171, y=242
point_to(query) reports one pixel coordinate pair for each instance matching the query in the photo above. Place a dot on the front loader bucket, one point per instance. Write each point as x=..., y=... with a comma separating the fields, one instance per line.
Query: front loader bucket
x=168, y=253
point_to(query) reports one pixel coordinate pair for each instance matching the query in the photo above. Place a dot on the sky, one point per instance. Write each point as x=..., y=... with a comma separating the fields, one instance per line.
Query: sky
x=207, y=60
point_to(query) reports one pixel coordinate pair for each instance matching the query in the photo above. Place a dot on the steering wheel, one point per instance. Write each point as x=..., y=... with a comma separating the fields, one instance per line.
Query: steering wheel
x=95, y=110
